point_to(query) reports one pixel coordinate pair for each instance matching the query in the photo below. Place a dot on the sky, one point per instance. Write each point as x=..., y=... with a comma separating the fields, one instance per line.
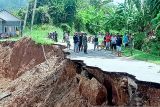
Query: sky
x=119, y=1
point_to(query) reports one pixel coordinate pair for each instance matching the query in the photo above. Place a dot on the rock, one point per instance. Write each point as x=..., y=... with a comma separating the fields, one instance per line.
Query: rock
x=93, y=91
x=4, y=95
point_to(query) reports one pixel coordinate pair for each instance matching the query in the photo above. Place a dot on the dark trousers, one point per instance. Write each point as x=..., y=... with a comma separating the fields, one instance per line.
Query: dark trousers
x=113, y=46
x=56, y=39
x=85, y=49
x=80, y=46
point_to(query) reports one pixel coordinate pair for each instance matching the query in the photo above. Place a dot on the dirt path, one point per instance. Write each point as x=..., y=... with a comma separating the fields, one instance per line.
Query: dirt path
x=107, y=61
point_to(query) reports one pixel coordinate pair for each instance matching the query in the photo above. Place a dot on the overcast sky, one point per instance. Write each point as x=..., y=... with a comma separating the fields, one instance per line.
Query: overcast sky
x=119, y=1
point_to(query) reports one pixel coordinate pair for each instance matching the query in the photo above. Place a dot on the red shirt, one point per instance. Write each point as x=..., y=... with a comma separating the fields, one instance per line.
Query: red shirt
x=108, y=38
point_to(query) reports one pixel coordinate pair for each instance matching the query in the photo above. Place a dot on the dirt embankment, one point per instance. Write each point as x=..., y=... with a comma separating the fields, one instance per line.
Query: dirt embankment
x=60, y=82
x=23, y=55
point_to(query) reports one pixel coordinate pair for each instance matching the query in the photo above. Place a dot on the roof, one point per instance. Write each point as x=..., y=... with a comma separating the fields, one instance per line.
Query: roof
x=5, y=15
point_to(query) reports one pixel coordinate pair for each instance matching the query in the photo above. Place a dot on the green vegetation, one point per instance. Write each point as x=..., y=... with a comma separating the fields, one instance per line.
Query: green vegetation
x=40, y=34
x=139, y=55
x=138, y=17
x=11, y=39
x=141, y=18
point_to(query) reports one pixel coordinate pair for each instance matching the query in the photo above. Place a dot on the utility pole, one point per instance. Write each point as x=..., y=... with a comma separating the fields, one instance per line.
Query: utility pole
x=26, y=15
x=33, y=14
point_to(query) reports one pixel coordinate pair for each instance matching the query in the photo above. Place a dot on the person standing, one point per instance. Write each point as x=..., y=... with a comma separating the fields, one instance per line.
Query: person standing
x=99, y=34
x=125, y=40
x=118, y=45
x=64, y=33
x=68, y=41
x=104, y=40
x=80, y=41
x=53, y=36
x=65, y=36
x=95, y=43
x=56, y=36
x=113, y=43
x=76, y=43
x=84, y=42
x=131, y=44
x=108, y=41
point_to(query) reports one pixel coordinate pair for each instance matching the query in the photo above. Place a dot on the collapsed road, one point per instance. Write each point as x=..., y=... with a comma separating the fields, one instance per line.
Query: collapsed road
x=46, y=77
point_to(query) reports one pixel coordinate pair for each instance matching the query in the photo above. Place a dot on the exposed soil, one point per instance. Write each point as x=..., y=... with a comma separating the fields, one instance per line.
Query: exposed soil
x=33, y=81
x=23, y=55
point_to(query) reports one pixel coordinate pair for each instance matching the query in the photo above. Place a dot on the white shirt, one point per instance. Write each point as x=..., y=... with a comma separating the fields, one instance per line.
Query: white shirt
x=113, y=39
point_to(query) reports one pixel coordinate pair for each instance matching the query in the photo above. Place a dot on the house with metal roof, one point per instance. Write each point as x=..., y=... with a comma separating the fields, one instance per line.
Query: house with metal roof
x=9, y=24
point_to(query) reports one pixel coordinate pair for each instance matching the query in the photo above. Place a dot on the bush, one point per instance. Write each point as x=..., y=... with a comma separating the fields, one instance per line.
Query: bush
x=145, y=44
x=139, y=41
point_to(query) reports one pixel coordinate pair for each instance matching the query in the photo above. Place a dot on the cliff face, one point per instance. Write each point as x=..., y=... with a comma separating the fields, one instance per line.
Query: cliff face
x=60, y=82
x=16, y=58
x=124, y=89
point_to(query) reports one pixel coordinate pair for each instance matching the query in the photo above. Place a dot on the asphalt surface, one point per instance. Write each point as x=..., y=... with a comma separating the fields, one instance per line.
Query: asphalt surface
x=109, y=62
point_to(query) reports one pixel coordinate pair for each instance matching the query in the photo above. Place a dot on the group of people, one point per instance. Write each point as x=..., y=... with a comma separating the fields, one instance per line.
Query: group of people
x=80, y=42
x=53, y=36
x=111, y=42
x=114, y=42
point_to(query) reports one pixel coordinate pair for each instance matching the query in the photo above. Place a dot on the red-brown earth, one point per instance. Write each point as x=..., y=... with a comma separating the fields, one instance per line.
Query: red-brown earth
x=33, y=81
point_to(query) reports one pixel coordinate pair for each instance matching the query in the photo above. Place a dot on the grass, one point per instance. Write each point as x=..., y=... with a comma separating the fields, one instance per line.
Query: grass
x=39, y=34
x=139, y=55
x=11, y=39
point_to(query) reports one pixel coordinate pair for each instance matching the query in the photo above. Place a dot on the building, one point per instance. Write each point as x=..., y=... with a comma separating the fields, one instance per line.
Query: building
x=9, y=24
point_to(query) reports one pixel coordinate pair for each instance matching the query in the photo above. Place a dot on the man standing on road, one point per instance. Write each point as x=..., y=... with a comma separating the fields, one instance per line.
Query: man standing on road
x=80, y=41
x=95, y=42
x=68, y=41
x=76, y=43
x=113, y=43
x=118, y=45
x=84, y=42
x=108, y=41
